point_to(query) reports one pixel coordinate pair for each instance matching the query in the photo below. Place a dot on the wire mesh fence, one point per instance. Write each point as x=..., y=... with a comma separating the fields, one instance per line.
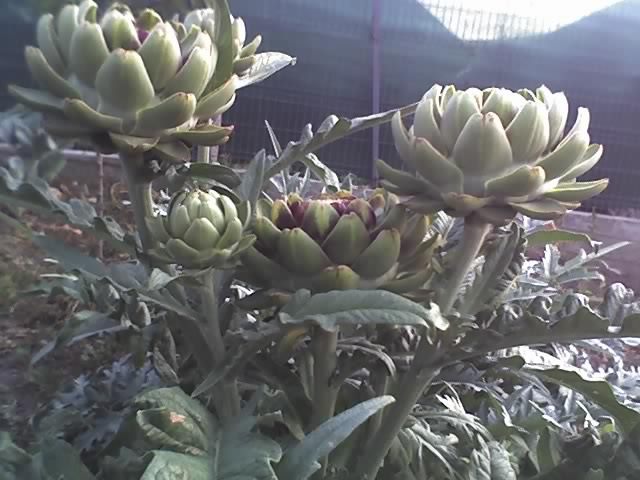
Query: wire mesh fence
x=441, y=41
x=595, y=60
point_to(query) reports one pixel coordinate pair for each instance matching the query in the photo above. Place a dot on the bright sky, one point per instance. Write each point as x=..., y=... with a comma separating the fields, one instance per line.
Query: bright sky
x=490, y=19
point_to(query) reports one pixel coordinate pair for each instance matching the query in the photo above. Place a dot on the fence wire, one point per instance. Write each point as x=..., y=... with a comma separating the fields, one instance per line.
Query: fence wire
x=595, y=60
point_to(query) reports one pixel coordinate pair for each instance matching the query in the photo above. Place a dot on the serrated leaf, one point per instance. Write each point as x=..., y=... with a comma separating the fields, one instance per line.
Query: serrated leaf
x=37, y=196
x=275, y=143
x=212, y=171
x=265, y=65
x=354, y=307
x=583, y=258
x=61, y=460
x=301, y=461
x=124, y=277
x=234, y=449
x=545, y=237
x=70, y=257
x=254, y=178
x=333, y=128
x=238, y=358
x=321, y=171
x=521, y=328
x=627, y=458
x=224, y=41
x=597, y=391
x=499, y=271
x=80, y=326
x=168, y=465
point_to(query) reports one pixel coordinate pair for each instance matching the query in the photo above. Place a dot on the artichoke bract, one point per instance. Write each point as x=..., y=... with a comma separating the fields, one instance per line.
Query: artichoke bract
x=243, y=55
x=135, y=83
x=493, y=153
x=201, y=229
x=338, y=242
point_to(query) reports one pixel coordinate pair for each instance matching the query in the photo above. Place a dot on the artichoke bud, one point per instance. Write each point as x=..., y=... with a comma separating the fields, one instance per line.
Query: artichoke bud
x=239, y=31
x=148, y=19
x=194, y=39
x=364, y=210
x=161, y=55
x=88, y=51
x=201, y=229
x=379, y=200
x=66, y=24
x=88, y=11
x=494, y=149
x=198, y=16
x=119, y=30
x=179, y=220
x=251, y=48
x=334, y=241
x=48, y=42
x=318, y=220
x=281, y=215
x=135, y=84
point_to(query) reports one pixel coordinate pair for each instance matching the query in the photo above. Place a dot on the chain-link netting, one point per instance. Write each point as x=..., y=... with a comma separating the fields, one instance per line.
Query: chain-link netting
x=595, y=60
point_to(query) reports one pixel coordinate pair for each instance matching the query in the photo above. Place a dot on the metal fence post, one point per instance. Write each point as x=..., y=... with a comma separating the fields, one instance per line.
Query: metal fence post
x=375, y=84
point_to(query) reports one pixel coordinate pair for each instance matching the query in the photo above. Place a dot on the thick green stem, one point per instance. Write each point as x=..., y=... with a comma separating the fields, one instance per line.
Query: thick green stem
x=324, y=346
x=228, y=396
x=475, y=232
x=422, y=371
x=140, y=196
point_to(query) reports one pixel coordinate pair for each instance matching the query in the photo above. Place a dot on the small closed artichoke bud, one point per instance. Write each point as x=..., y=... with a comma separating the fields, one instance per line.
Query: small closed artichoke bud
x=201, y=229
x=338, y=242
x=138, y=83
x=493, y=153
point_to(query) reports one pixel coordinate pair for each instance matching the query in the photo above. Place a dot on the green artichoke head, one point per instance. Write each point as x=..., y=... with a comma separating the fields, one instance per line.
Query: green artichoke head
x=201, y=229
x=134, y=83
x=338, y=242
x=244, y=56
x=493, y=153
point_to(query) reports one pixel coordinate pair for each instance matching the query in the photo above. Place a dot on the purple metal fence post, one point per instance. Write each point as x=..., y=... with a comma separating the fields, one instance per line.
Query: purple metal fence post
x=375, y=84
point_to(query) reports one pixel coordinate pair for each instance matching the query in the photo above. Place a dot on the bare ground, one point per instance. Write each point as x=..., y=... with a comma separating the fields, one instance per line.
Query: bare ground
x=29, y=322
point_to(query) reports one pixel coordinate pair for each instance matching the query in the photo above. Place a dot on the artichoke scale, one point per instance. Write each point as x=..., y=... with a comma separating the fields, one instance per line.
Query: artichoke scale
x=339, y=277
x=589, y=160
x=36, y=99
x=380, y=256
x=299, y=253
x=578, y=191
x=347, y=240
x=541, y=209
x=47, y=40
x=46, y=76
x=232, y=234
x=205, y=135
x=405, y=182
x=193, y=76
x=88, y=51
x=169, y=113
x=122, y=81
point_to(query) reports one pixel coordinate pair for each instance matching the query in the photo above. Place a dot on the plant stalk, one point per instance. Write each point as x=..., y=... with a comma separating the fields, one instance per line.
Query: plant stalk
x=422, y=370
x=324, y=347
x=139, y=195
x=229, y=397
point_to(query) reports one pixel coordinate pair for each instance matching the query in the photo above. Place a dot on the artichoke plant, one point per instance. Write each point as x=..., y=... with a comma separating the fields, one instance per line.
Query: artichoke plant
x=493, y=153
x=338, y=242
x=201, y=229
x=243, y=55
x=136, y=84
